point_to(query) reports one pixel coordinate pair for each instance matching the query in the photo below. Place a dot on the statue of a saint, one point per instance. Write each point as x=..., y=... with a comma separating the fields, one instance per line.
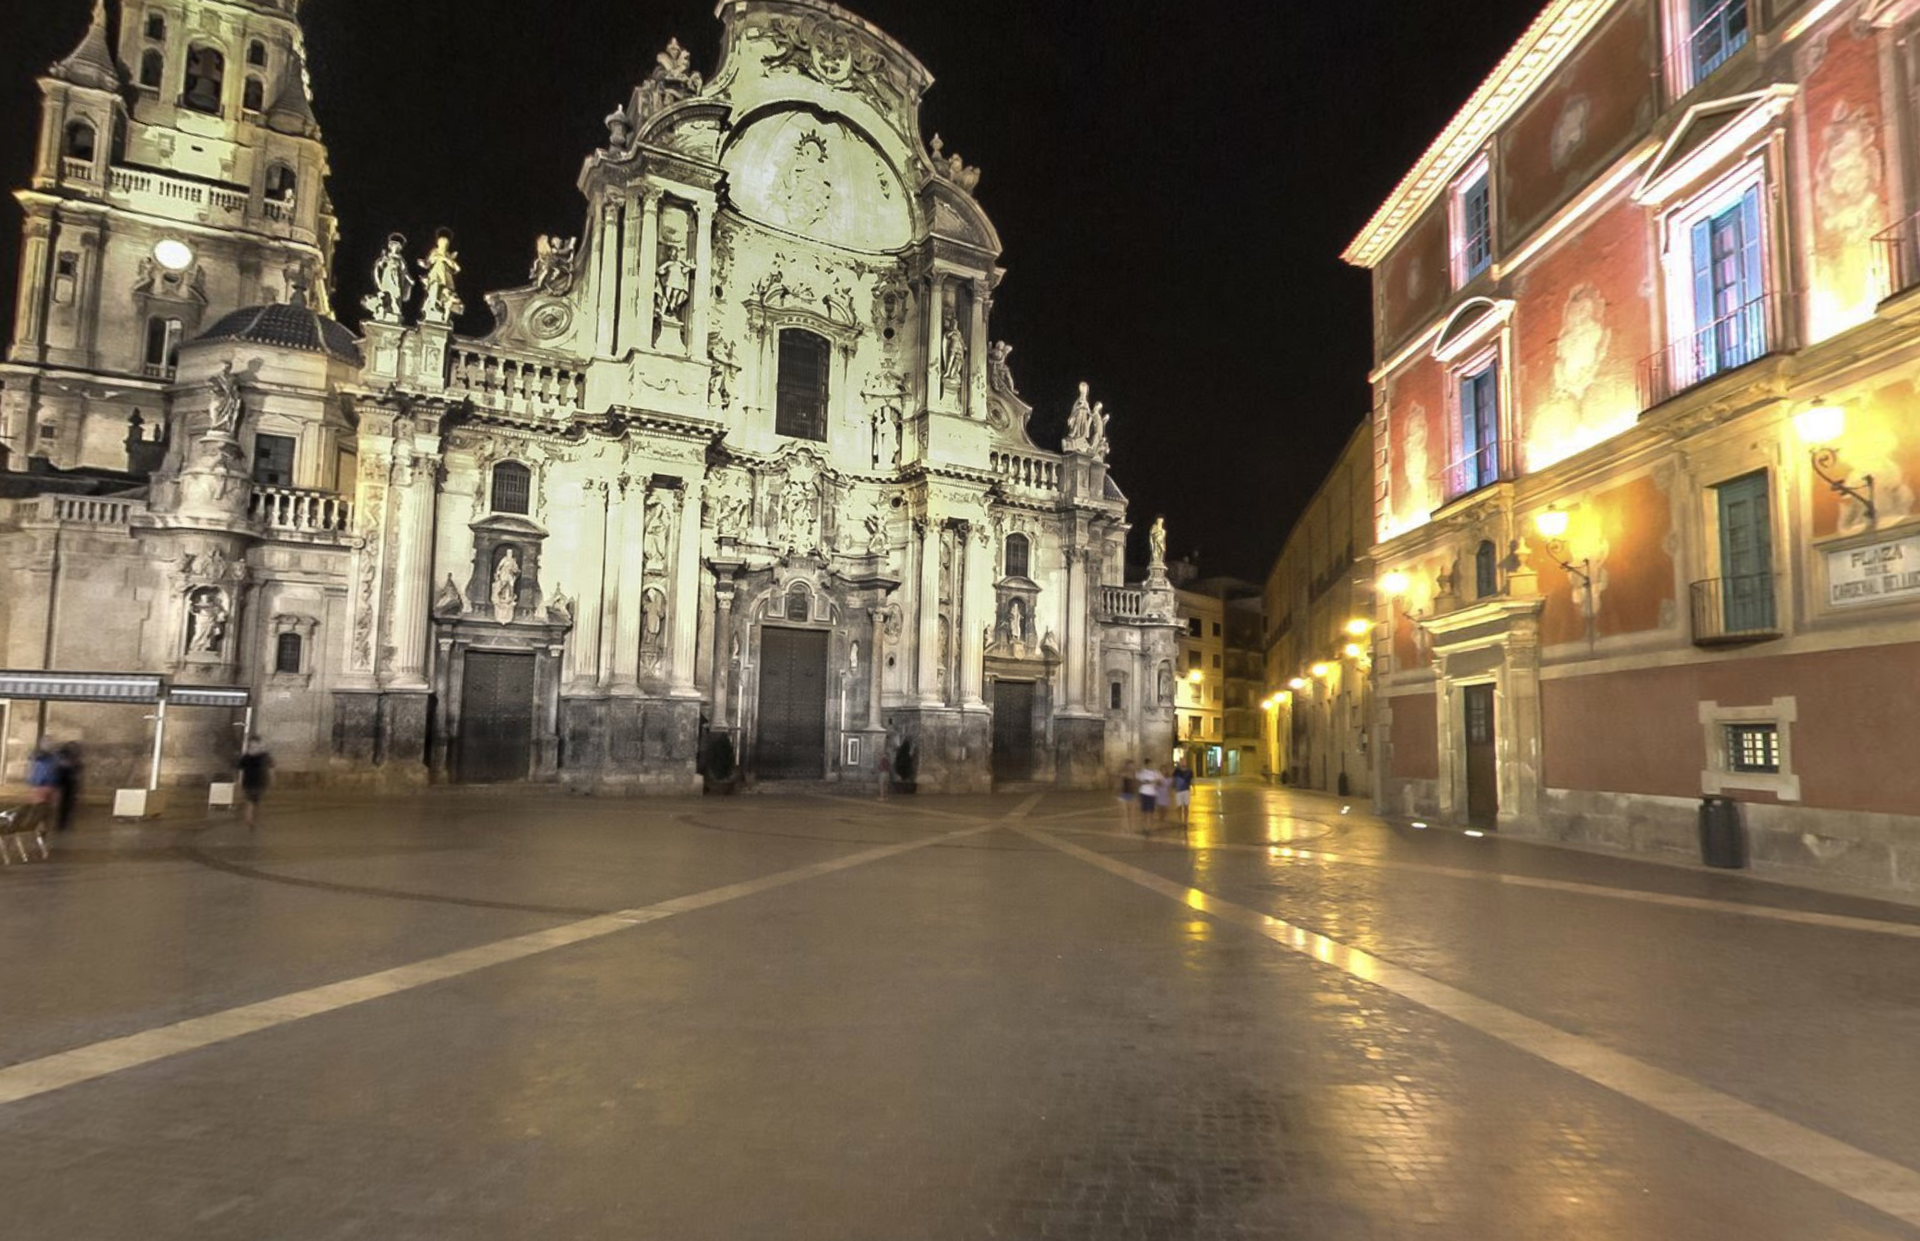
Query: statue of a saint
x=439, y=270
x=953, y=356
x=998, y=372
x=800, y=516
x=392, y=282
x=1079, y=423
x=658, y=537
x=553, y=264
x=224, y=417
x=674, y=284
x=653, y=621
x=206, y=622
x=1097, y=442
x=506, y=586
x=1157, y=543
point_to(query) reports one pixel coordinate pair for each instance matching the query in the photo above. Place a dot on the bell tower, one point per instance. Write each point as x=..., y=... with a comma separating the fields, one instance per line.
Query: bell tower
x=180, y=175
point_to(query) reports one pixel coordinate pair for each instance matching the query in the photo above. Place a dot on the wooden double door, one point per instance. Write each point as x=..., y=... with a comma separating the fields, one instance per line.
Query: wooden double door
x=1013, y=730
x=791, y=735
x=496, y=716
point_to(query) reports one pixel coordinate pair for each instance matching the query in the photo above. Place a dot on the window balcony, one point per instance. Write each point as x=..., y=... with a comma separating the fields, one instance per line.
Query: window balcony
x=1732, y=341
x=1478, y=469
x=1898, y=250
x=1731, y=610
x=1709, y=36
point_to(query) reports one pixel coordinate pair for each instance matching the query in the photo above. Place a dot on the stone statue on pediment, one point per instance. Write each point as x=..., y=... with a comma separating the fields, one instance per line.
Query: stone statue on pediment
x=1097, y=444
x=1157, y=543
x=439, y=270
x=392, y=282
x=553, y=260
x=1079, y=434
x=223, y=417
x=998, y=373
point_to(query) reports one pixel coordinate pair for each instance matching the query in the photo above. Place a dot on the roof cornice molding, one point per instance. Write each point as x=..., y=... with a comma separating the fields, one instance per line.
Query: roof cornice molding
x=1541, y=50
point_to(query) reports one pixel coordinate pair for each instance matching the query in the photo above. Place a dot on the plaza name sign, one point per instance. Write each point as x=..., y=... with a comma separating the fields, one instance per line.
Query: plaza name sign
x=1874, y=573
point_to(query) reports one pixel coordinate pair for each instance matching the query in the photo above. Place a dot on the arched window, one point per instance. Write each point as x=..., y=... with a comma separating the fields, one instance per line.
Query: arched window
x=1486, y=571
x=153, y=66
x=156, y=26
x=799, y=603
x=257, y=54
x=512, y=487
x=163, y=345
x=79, y=141
x=800, y=395
x=253, y=96
x=281, y=183
x=1018, y=555
x=206, y=76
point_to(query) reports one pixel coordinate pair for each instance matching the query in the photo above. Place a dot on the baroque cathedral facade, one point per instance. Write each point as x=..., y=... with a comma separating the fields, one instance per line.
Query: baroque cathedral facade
x=739, y=459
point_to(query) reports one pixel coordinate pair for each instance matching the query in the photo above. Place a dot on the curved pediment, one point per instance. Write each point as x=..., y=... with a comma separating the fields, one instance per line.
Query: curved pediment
x=1471, y=323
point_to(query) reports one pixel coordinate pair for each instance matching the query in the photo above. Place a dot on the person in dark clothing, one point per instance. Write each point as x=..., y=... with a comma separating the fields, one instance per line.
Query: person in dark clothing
x=68, y=766
x=256, y=766
x=43, y=775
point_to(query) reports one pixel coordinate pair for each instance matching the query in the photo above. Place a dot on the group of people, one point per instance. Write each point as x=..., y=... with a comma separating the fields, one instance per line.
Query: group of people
x=53, y=781
x=1157, y=795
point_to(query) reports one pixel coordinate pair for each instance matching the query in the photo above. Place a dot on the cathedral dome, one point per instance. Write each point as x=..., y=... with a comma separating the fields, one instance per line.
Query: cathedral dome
x=286, y=326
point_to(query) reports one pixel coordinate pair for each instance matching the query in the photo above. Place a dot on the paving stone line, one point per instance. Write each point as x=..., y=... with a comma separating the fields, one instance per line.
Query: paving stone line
x=1864, y=1177
x=81, y=1064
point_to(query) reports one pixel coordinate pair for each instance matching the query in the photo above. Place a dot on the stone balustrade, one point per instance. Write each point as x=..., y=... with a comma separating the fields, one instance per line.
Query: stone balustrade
x=75, y=169
x=104, y=511
x=514, y=384
x=1020, y=470
x=295, y=511
x=180, y=198
x=1123, y=602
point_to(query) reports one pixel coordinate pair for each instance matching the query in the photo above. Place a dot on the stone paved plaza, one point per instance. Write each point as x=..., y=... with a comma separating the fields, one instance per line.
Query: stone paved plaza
x=458, y=1015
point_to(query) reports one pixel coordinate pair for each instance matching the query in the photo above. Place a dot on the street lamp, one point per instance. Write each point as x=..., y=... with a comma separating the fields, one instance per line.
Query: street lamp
x=1359, y=628
x=1818, y=427
x=1351, y=650
x=1552, y=524
x=1297, y=683
x=1394, y=584
x=1320, y=670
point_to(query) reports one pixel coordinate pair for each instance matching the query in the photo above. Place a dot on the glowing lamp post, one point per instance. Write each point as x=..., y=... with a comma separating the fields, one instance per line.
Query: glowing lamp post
x=1819, y=427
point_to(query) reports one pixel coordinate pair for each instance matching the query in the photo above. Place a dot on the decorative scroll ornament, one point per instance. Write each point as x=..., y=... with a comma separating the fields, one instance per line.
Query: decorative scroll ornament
x=830, y=54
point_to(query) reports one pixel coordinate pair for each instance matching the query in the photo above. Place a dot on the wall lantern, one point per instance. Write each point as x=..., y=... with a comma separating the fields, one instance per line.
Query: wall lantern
x=1359, y=628
x=1194, y=676
x=1818, y=427
x=1351, y=650
x=1394, y=584
x=1320, y=670
x=1297, y=683
x=172, y=254
x=1552, y=525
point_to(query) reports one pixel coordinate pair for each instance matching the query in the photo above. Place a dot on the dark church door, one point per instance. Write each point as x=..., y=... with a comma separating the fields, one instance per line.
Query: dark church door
x=792, y=737
x=496, y=717
x=1012, y=730
x=1483, y=770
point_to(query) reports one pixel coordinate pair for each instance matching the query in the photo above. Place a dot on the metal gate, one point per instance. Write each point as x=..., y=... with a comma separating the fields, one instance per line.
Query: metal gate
x=496, y=717
x=1012, y=730
x=791, y=740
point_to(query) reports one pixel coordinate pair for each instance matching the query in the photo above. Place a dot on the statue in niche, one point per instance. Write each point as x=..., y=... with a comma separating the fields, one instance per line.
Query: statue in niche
x=730, y=512
x=553, y=261
x=506, y=585
x=214, y=566
x=998, y=373
x=206, y=622
x=1166, y=683
x=657, y=539
x=674, y=282
x=224, y=417
x=447, y=601
x=853, y=657
x=886, y=437
x=392, y=282
x=946, y=651
x=439, y=269
x=1098, y=445
x=1157, y=543
x=653, y=626
x=1079, y=423
x=953, y=355
x=1017, y=632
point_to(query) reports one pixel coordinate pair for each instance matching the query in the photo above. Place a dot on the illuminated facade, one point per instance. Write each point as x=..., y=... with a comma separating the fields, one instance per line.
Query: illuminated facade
x=738, y=460
x=1319, y=644
x=1644, y=324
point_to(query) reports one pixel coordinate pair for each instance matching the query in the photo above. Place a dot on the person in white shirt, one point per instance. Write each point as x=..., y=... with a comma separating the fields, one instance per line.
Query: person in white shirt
x=1148, y=781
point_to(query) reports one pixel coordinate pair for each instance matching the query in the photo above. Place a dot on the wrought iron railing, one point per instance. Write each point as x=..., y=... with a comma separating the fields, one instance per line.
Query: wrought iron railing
x=1740, y=608
x=1898, y=251
x=1744, y=335
x=1481, y=467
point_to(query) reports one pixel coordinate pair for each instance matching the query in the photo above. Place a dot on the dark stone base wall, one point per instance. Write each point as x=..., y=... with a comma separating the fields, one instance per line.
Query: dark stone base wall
x=380, y=738
x=955, y=747
x=616, y=745
x=1080, y=752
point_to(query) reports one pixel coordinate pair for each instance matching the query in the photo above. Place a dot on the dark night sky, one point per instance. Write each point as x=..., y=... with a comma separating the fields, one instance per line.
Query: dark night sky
x=1173, y=189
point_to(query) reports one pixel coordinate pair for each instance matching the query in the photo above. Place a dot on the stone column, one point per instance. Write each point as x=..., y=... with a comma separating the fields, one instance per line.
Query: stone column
x=877, y=665
x=414, y=480
x=722, y=652
x=29, y=321
x=927, y=682
x=975, y=611
x=977, y=351
x=685, y=612
x=608, y=296
x=1075, y=670
x=590, y=608
x=629, y=578
x=700, y=302
x=636, y=317
x=936, y=322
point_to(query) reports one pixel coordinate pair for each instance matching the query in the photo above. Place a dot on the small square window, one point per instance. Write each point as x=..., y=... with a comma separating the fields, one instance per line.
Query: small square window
x=287, y=652
x=1193, y=626
x=1216, y=661
x=1753, y=748
x=1193, y=661
x=273, y=460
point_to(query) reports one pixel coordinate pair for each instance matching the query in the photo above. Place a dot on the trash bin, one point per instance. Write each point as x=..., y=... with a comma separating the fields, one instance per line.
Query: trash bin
x=1723, y=841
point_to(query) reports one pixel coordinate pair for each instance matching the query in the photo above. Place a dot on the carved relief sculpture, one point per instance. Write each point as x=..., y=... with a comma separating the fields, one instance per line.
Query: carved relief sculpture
x=800, y=516
x=553, y=264
x=725, y=366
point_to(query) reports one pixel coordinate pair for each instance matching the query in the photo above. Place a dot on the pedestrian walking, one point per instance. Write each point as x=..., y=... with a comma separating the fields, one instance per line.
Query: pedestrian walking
x=1147, y=780
x=1129, y=793
x=256, y=767
x=1182, y=789
x=68, y=767
x=43, y=777
x=886, y=771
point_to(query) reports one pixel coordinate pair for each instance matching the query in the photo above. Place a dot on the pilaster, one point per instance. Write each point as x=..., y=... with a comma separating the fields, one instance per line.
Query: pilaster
x=686, y=592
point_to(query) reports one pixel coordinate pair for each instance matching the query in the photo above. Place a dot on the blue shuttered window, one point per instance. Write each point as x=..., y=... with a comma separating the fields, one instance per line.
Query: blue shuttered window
x=1729, y=307
x=1716, y=30
x=1480, y=428
x=1476, y=229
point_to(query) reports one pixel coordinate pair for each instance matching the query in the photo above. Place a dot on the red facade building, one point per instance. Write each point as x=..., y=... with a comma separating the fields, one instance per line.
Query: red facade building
x=1647, y=334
